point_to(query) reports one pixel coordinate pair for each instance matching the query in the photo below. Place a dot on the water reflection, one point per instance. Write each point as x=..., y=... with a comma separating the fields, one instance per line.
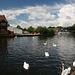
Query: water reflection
x=3, y=46
x=3, y=53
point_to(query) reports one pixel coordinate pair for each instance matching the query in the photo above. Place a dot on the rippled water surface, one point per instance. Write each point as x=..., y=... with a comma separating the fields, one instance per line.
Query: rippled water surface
x=14, y=51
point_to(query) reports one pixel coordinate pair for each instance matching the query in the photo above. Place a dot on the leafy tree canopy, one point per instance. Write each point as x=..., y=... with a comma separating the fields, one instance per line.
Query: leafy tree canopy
x=45, y=31
x=30, y=29
x=59, y=27
x=19, y=27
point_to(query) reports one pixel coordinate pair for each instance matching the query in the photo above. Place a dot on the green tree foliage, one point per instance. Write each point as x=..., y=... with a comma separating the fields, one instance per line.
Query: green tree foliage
x=51, y=32
x=71, y=28
x=38, y=29
x=24, y=29
x=59, y=27
x=45, y=31
x=30, y=29
x=73, y=25
x=50, y=27
x=19, y=27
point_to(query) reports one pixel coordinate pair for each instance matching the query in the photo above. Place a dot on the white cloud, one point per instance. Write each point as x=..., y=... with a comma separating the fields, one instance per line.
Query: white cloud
x=11, y=14
x=39, y=12
x=13, y=25
x=42, y=15
x=33, y=12
x=22, y=24
x=66, y=15
x=70, y=1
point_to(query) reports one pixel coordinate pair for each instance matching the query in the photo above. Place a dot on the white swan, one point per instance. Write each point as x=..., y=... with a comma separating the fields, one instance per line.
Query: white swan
x=46, y=54
x=54, y=45
x=45, y=43
x=33, y=37
x=66, y=71
x=26, y=66
x=15, y=36
x=74, y=64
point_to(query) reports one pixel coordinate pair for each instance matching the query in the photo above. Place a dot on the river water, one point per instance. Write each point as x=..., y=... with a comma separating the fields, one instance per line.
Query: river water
x=15, y=51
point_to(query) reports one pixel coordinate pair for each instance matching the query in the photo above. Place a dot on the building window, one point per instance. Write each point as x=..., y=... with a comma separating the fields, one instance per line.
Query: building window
x=3, y=24
x=2, y=29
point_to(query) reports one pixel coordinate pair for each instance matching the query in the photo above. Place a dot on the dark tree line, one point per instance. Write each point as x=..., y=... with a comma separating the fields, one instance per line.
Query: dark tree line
x=71, y=28
x=46, y=31
x=42, y=30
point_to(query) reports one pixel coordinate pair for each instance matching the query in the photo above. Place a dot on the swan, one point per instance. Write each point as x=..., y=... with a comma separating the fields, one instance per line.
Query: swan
x=65, y=71
x=74, y=64
x=54, y=45
x=33, y=37
x=45, y=43
x=15, y=36
x=26, y=66
x=46, y=54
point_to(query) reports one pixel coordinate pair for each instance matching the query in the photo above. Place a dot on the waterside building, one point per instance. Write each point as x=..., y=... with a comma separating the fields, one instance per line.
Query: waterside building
x=3, y=25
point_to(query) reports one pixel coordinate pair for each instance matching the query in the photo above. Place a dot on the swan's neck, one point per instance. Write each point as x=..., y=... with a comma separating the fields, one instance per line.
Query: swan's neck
x=62, y=69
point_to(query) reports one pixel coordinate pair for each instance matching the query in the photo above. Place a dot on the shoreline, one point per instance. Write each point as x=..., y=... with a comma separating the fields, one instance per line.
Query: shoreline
x=21, y=35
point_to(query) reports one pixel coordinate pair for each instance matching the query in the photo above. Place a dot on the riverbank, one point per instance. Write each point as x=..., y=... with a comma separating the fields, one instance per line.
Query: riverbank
x=29, y=34
x=20, y=35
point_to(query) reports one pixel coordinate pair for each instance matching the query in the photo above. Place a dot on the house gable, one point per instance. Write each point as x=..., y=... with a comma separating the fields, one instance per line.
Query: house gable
x=2, y=18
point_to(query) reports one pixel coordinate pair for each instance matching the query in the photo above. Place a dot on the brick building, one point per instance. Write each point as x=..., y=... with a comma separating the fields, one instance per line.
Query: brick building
x=3, y=25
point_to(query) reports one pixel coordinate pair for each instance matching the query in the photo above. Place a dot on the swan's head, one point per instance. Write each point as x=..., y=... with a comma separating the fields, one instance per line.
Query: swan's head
x=74, y=64
x=24, y=62
x=62, y=64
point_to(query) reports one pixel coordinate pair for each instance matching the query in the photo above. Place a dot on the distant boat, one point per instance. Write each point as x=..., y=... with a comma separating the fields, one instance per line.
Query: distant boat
x=26, y=66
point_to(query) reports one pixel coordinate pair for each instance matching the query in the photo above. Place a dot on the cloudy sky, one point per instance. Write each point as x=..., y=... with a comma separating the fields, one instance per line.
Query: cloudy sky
x=38, y=12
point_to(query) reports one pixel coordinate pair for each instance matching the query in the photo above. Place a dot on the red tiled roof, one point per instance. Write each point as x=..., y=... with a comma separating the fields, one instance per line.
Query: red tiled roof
x=2, y=17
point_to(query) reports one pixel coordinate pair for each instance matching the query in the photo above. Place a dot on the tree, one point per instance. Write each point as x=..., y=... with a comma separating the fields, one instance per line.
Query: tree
x=30, y=29
x=50, y=27
x=24, y=29
x=19, y=27
x=71, y=28
x=45, y=31
x=38, y=29
x=59, y=27
x=51, y=32
x=73, y=25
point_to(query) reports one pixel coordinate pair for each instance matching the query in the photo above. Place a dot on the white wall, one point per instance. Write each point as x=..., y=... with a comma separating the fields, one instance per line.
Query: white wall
x=15, y=30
